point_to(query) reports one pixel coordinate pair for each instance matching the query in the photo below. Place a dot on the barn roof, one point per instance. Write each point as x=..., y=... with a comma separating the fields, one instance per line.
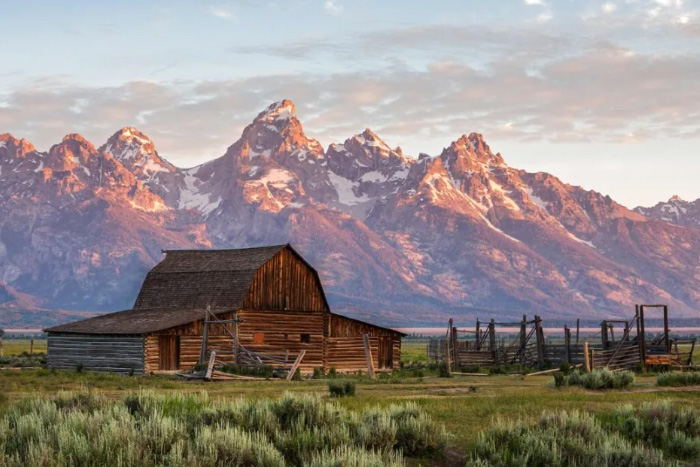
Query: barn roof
x=140, y=321
x=188, y=279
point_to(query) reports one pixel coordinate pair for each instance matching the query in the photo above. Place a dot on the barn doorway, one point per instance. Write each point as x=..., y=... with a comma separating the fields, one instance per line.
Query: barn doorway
x=386, y=352
x=169, y=352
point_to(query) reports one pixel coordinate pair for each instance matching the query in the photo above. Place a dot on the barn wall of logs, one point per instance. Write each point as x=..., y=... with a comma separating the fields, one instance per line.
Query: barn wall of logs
x=281, y=334
x=96, y=352
x=190, y=343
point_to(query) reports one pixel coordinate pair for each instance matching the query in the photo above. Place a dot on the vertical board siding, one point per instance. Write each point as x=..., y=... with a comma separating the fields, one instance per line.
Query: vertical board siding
x=96, y=352
x=285, y=282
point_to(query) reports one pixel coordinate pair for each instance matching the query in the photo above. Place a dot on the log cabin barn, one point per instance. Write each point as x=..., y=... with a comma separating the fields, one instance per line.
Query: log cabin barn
x=273, y=292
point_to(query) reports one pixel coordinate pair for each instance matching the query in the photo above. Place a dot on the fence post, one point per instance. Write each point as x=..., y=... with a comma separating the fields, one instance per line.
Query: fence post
x=578, y=322
x=31, y=347
x=478, y=336
x=567, y=343
x=492, y=341
x=540, y=341
x=447, y=355
x=455, y=350
x=666, y=336
x=368, y=356
x=586, y=362
x=523, y=339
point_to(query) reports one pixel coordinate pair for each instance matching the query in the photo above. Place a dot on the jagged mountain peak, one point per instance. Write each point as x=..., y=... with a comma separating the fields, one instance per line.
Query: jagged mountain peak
x=73, y=149
x=80, y=139
x=277, y=133
x=676, y=198
x=137, y=152
x=130, y=133
x=20, y=146
x=470, y=152
x=281, y=110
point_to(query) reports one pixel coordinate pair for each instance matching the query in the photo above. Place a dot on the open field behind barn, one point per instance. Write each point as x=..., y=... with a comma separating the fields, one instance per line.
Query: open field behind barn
x=18, y=346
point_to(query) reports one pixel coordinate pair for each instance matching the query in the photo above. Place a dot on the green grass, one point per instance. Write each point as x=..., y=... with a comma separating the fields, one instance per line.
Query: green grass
x=18, y=346
x=465, y=405
x=414, y=350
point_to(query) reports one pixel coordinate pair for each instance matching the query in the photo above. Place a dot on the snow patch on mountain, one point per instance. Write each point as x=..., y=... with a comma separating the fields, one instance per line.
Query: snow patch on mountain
x=192, y=198
x=346, y=190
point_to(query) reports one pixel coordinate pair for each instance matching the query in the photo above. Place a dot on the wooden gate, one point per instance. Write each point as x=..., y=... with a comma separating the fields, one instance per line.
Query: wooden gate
x=386, y=352
x=169, y=352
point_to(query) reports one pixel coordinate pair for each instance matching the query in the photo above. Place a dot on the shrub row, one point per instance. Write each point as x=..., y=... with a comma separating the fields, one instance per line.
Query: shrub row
x=677, y=378
x=649, y=435
x=597, y=379
x=559, y=439
x=180, y=429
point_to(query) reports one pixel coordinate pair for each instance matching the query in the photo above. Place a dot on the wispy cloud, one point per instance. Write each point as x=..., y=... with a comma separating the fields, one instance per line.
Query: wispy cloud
x=333, y=8
x=220, y=12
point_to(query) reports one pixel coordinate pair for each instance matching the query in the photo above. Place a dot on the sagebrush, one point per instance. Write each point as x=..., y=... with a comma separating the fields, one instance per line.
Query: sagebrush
x=677, y=378
x=596, y=379
x=180, y=429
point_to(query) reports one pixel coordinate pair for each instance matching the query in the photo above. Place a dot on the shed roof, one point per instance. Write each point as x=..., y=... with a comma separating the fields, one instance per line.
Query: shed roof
x=140, y=321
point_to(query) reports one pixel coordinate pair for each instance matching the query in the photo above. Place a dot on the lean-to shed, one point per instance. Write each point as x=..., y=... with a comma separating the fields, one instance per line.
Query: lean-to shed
x=275, y=293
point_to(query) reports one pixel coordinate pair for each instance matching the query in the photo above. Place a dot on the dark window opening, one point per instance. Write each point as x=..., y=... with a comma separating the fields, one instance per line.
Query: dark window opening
x=305, y=338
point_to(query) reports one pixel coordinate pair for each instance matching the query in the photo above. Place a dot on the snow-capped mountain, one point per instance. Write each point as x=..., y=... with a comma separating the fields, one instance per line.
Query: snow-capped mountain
x=397, y=239
x=675, y=211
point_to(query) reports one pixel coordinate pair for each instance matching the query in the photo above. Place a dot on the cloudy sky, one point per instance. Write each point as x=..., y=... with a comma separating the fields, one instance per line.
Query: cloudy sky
x=602, y=94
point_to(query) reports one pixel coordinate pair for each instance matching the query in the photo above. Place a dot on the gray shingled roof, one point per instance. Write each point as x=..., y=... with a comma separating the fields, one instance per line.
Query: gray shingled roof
x=132, y=322
x=195, y=279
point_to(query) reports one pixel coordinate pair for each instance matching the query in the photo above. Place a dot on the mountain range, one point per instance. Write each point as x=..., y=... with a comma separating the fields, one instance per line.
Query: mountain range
x=398, y=240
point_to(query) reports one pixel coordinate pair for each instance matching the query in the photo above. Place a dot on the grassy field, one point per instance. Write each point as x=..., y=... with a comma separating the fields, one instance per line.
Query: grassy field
x=465, y=405
x=17, y=346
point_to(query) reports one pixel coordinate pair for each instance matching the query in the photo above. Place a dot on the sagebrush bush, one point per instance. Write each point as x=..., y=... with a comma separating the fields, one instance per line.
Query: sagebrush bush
x=353, y=458
x=596, y=379
x=677, y=378
x=187, y=429
x=675, y=430
x=341, y=388
x=560, y=439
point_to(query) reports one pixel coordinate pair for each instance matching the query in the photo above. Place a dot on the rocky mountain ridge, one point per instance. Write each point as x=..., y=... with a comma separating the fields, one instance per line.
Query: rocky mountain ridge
x=675, y=211
x=397, y=239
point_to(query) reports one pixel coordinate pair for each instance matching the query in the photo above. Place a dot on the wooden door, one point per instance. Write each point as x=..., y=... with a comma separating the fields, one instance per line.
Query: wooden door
x=169, y=352
x=386, y=352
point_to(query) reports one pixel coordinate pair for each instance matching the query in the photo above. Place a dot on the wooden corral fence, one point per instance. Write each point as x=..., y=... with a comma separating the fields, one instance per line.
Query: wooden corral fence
x=620, y=344
x=482, y=347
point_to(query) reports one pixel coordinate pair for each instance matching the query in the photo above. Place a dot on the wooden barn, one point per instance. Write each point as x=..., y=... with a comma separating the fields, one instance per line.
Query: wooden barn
x=270, y=300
